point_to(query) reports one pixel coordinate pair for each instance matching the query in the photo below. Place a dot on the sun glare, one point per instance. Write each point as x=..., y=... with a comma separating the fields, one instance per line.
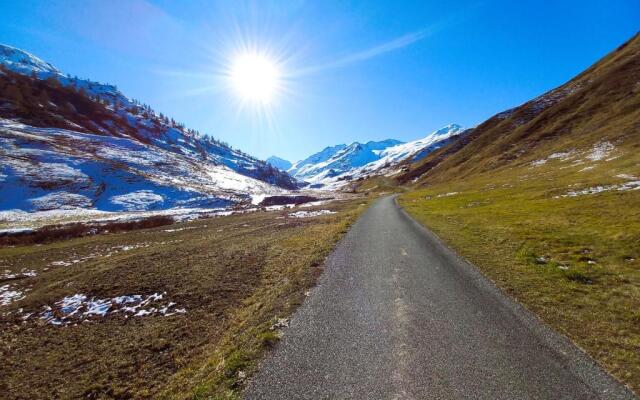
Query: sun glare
x=255, y=78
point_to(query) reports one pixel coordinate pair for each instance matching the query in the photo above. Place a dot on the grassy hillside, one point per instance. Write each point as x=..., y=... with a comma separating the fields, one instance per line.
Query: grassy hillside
x=545, y=200
x=601, y=104
x=212, y=294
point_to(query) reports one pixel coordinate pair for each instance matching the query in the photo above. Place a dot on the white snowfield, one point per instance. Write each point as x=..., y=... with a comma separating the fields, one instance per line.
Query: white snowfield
x=56, y=169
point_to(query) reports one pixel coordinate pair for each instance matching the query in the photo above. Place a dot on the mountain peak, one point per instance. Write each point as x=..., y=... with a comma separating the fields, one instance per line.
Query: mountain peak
x=279, y=163
x=25, y=63
x=447, y=129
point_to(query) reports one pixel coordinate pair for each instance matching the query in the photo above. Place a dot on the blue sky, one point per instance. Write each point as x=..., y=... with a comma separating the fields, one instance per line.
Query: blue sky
x=352, y=70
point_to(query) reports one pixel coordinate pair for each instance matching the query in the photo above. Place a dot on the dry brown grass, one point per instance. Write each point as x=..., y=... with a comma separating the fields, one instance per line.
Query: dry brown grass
x=234, y=276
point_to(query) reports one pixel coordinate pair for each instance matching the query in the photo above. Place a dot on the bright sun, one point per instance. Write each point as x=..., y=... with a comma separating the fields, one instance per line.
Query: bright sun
x=255, y=78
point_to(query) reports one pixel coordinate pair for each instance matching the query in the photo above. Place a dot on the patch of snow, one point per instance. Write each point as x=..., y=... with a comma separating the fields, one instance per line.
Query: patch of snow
x=8, y=275
x=78, y=307
x=627, y=177
x=60, y=264
x=60, y=201
x=279, y=207
x=447, y=194
x=309, y=214
x=8, y=295
x=564, y=155
x=633, y=185
x=257, y=198
x=314, y=203
x=180, y=229
x=600, y=151
x=139, y=200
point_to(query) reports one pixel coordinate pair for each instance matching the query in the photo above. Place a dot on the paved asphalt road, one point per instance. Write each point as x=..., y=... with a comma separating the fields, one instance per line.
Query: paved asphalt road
x=396, y=315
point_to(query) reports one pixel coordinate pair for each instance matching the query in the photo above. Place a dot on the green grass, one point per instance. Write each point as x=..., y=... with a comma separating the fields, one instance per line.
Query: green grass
x=574, y=261
x=236, y=276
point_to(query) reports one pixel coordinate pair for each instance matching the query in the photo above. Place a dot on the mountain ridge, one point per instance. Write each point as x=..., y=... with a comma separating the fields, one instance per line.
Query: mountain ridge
x=279, y=163
x=335, y=166
x=50, y=108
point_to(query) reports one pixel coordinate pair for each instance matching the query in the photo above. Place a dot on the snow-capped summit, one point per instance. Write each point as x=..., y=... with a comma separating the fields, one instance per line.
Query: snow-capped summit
x=279, y=163
x=416, y=149
x=339, y=164
x=336, y=160
x=25, y=63
x=299, y=168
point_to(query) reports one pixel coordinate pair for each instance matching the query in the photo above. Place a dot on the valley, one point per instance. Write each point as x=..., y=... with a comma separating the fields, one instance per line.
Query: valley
x=144, y=259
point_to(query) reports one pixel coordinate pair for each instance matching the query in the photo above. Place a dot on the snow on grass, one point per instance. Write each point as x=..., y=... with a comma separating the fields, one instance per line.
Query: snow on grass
x=632, y=185
x=539, y=162
x=309, y=214
x=137, y=201
x=279, y=207
x=447, y=194
x=181, y=229
x=627, y=177
x=80, y=307
x=562, y=156
x=314, y=203
x=600, y=151
x=8, y=294
x=107, y=253
x=24, y=273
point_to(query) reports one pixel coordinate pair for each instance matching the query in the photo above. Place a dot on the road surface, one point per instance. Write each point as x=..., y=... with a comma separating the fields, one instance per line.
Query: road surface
x=397, y=315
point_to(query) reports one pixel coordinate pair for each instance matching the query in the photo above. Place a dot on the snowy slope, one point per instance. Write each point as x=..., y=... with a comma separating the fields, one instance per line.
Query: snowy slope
x=334, y=168
x=279, y=163
x=130, y=119
x=49, y=168
x=300, y=168
x=72, y=143
x=416, y=149
x=25, y=63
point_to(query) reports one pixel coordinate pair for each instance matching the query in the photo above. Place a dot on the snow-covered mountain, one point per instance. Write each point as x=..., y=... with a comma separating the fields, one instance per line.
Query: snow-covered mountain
x=337, y=165
x=67, y=142
x=301, y=168
x=415, y=150
x=336, y=160
x=279, y=163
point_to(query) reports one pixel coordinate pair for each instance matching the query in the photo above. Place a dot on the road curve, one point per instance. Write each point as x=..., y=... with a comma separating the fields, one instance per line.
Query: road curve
x=397, y=315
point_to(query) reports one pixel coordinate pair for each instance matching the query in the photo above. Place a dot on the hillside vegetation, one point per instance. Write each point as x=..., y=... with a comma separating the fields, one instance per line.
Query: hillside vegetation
x=545, y=200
